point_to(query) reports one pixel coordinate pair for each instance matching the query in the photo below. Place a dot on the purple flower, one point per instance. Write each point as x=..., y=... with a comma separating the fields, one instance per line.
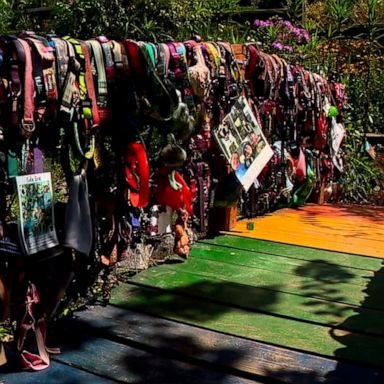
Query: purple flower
x=262, y=23
x=288, y=48
x=305, y=35
x=287, y=24
x=277, y=45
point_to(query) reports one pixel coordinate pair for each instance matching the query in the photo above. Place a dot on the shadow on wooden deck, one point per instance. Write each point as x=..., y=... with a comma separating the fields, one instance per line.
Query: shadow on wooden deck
x=242, y=310
x=374, y=292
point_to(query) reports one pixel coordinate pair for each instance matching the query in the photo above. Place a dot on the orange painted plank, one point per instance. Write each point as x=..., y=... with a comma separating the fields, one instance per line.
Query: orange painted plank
x=351, y=229
x=325, y=227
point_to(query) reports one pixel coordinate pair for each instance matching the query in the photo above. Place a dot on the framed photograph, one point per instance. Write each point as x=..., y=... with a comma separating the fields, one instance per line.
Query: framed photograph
x=36, y=223
x=243, y=143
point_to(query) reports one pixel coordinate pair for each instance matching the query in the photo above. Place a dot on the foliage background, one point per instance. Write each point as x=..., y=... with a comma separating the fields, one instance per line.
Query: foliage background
x=345, y=40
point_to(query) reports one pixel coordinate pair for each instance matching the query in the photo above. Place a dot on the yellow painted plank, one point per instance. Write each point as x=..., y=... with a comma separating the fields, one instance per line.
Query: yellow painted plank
x=351, y=229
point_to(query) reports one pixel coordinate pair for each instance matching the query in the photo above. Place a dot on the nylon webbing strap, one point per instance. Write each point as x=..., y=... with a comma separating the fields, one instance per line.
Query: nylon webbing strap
x=29, y=360
x=135, y=63
x=108, y=58
x=70, y=70
x=151, y=53
x=178, y=54
x=85, y=78
x=27, y=124
x=17, y=62
x=86, y=110
x=87, y=95
x=44, y=74
x=62, y=60
x=102, y=89
x=120, y=57
x=90, y=84
x=215, y=59
x=163, y=59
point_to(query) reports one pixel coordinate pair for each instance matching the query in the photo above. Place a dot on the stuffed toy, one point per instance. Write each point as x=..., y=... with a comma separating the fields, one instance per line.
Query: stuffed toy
x=181, y=247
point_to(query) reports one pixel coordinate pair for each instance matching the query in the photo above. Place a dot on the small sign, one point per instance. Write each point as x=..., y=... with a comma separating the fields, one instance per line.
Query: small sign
x=36, y=224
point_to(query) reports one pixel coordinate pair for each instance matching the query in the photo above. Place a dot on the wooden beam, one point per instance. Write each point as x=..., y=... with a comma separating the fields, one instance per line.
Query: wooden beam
x=39, y=10
x=260, y=11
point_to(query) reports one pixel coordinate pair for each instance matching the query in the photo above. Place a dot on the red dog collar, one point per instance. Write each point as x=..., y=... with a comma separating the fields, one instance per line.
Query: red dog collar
x=137, y=174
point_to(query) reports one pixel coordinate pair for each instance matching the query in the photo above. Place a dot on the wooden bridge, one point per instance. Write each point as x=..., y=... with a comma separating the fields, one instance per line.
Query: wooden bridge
x=297, y=299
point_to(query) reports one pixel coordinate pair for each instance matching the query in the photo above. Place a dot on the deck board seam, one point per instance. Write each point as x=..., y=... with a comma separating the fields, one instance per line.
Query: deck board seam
x=354, y=306
x=58, y=360
x=325, y=279
x=336, y=359
x=300, y=245
x=179, y=292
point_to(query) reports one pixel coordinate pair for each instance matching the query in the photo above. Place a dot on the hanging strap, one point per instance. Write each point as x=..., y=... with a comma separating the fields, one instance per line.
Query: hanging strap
x=17, y=62
x=164, y=56
x=252, y=60
x=179, y=58
x=85, y=101
x=152, y=54
x=44, y=68
x=214, y=59
x=133, y=52
x=240, y=53
x=62, y=58
x=189, y=45
x=68, y=68
x=120, y=58
x=33, y=361
x=101, y=79
x=108, y=58
x=90, y=84
x=199, y=74
x=86, y=113
x=27, y=124
x=137, y=174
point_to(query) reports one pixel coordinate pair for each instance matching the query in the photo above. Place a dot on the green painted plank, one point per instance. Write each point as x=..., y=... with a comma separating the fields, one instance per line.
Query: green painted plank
x=297, y=252
x=261, y=327
x=318, y=269
x=342, y=292
x=265, y=300
x=181, y=341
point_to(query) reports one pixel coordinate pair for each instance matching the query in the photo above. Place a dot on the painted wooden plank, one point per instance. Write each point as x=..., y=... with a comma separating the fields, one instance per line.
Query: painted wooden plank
x=342, y=292
x=295, y=252
x=334, y=234
x=358, y=224
x=274, y=330
x=342, y=228
x=228, y=352
x=270, y=301
x=126, y=364
x=356, y=246
x=331, y=224
x=57, y=373
x=358, y=213
x=334, y=216
x=371, y=214
x=319, y=269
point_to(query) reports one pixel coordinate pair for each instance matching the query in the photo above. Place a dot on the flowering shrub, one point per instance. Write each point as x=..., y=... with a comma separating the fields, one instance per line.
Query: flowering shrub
x=281, y=35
